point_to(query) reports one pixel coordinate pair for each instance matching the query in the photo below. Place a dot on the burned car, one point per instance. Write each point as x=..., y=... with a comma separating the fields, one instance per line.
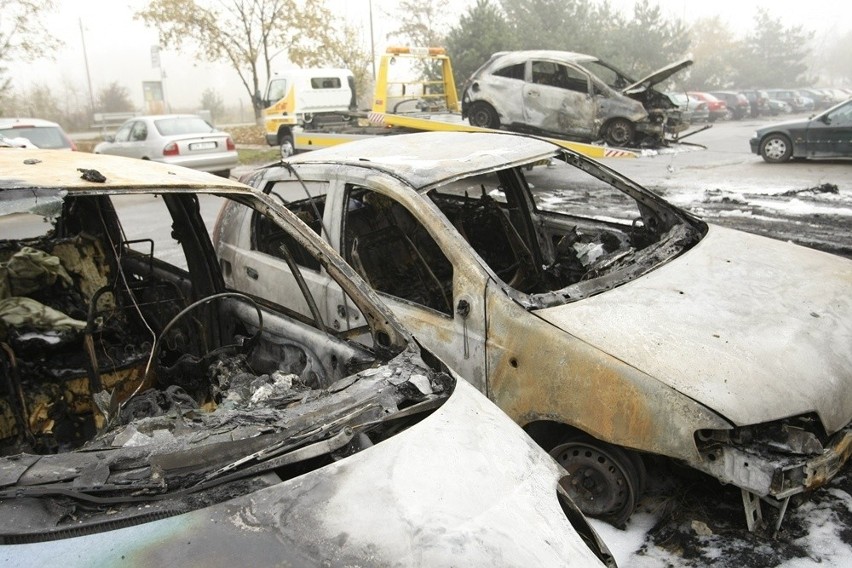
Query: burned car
x=150, y=416
x=607, y=322
x=571, y=95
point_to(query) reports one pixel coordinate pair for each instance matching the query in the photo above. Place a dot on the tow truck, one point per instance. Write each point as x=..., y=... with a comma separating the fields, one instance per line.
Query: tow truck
x=313, y=109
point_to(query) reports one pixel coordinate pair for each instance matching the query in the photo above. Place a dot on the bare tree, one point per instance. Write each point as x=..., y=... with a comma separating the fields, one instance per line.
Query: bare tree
x=23, y=36
x=247, y=34
x=210, y=100
x=114, y=98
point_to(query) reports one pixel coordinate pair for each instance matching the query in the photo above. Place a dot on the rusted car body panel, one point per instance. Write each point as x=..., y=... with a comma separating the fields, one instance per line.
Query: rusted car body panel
x=613, y=314
x=141, y=436
x=699, y=333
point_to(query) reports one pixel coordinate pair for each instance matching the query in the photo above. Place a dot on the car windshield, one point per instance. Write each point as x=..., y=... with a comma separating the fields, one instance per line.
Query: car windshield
x=48, y=137
x=559, y=231
x=182, y=125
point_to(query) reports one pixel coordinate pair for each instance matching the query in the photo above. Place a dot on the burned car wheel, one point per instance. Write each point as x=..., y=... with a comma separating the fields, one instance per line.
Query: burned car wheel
x=776, y=148
x=287, y=147
x=483, y=115
x=603, y=480
x=619, y=132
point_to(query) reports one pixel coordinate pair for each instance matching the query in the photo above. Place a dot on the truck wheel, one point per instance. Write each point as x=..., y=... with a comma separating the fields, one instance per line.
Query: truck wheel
x=603, y=480
x=288, y=148
x=776, y=148
x=619, y=132
x=483, y=115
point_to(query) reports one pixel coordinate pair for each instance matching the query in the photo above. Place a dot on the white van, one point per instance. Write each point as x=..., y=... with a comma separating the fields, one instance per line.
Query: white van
x=299, y=96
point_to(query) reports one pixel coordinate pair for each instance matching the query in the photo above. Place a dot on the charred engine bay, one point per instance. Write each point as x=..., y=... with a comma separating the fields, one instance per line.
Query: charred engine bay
x=169, y=455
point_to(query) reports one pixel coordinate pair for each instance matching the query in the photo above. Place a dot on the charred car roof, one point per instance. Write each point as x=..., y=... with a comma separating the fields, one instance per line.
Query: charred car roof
x=450, y=155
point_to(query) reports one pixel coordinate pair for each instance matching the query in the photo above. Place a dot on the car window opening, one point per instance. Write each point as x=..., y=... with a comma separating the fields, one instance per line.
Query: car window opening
x=86, y=311
x=541, y=245
x=394, y=252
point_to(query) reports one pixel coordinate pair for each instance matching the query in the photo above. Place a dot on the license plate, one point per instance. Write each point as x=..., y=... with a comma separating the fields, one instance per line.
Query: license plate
x=202, y=146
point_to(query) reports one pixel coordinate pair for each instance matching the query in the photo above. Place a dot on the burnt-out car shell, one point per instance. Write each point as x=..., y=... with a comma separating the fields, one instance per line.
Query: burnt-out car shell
x=571, y=95
x=151, y=416
x=606, y=321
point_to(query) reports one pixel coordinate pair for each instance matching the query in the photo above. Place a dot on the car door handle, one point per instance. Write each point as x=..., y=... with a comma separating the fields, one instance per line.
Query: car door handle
x=533, y=93
x=251, y=272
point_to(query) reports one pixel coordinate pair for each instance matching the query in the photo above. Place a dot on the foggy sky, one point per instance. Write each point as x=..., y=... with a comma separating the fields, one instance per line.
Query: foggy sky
x=118, y=47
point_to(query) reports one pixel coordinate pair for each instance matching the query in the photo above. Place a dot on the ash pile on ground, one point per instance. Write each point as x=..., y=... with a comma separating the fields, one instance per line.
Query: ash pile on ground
x=691, y=520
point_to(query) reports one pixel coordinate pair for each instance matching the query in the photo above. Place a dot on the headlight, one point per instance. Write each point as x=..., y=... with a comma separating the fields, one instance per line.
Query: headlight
x=798, y=435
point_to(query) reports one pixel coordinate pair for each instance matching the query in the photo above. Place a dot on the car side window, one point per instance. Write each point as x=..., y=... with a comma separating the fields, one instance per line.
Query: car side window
x=511, y=72
x=268, y=237
x=394, y=252
x=123, y=134
x=277, y=89
x=544, y=73
x=841, y=116
x=139, y=132
x=572, y=79
x=304, y=198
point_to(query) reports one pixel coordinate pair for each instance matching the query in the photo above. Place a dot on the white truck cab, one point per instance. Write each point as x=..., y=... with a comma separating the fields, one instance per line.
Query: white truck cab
x=300, y=96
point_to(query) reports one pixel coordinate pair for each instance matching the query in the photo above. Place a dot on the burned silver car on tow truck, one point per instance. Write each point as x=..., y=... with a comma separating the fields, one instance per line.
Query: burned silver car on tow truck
x=150, y=416
x=609, y=323
x=572, y=95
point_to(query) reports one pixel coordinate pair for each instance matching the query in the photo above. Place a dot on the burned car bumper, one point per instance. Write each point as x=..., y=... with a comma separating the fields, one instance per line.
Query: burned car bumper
x=776, y=474
x=389, y=505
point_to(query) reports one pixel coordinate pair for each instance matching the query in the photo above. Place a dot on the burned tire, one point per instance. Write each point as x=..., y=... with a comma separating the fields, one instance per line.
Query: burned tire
x=776, y=148
x=619, y=132
x=483, y=115
x=287, y=146
x=603, y=480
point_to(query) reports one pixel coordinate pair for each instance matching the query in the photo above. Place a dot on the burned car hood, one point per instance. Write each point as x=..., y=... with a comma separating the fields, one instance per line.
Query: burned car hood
x=730, y=325
x=393, y=504
x=656, y=77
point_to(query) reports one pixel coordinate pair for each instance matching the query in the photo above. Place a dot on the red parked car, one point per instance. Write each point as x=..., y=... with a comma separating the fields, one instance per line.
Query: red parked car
x=737, y=103
x=718, y=109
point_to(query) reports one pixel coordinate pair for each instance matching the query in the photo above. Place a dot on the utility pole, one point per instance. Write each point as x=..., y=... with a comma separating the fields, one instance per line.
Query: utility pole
x=372, y=42
x=88, y=75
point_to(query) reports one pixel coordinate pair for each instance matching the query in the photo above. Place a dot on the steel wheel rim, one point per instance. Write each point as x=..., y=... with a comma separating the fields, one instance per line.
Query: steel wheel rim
x=620, y=133
x=482, y=118
x=598, y=483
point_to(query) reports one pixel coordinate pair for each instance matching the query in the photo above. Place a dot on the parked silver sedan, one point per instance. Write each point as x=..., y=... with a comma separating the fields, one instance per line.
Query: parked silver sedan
x=180, y=139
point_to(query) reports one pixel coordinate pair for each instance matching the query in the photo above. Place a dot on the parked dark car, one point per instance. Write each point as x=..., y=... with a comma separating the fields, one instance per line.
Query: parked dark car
x=758, y=101
x=737, y=103
x=821, y=99
x=796, y=101
x=827, y=135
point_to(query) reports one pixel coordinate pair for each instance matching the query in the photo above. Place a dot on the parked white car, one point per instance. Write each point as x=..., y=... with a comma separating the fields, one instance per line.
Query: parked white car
x=177, y=139
x=150, y=416
x=607, y=322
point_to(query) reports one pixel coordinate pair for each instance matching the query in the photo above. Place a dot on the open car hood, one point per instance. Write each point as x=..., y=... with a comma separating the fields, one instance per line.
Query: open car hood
x=656, y=77
x=730, y=325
